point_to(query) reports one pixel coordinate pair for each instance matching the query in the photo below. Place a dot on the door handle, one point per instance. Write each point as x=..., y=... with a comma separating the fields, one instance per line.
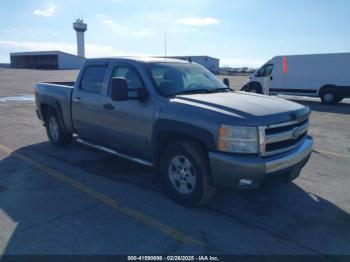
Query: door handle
x=77, y=100
x=108, y=106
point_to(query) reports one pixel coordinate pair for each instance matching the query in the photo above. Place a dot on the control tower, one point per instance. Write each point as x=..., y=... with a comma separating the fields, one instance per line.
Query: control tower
x=80, y=27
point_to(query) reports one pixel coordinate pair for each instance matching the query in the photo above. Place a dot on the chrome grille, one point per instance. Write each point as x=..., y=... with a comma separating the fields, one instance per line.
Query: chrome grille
x=280, y=138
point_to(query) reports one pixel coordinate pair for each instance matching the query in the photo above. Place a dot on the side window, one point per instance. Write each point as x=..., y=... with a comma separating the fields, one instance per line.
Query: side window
x=261, y=72
x=269, y=69
x=131, y=76
x=92, y=79
x=158, y=74
x=265, y=71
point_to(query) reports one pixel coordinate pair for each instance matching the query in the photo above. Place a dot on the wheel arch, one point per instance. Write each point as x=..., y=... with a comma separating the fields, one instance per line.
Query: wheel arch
x=253, y=84
x=168, y=131
x=326, y=87
x=52, y=104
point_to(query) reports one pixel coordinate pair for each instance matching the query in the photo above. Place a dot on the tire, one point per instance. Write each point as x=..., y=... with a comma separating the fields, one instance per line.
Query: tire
x=253, y=87
x=253, y=90
x=185, y=174
x=245, y=88
x=55, y=131
x=329, y=97
x=290, y=177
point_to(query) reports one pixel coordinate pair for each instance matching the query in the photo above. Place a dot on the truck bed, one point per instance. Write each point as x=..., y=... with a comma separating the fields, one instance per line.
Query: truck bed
x=57, y=95
x=70, y=84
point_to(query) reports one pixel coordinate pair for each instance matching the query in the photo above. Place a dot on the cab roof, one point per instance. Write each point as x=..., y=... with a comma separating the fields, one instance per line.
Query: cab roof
x=141, y=59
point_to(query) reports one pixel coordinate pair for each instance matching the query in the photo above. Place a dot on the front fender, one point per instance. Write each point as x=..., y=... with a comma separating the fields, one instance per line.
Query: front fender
x=166, y=126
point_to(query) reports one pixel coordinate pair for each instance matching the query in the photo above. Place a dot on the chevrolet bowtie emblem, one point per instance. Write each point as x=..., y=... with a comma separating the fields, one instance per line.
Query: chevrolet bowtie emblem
x=296, y=132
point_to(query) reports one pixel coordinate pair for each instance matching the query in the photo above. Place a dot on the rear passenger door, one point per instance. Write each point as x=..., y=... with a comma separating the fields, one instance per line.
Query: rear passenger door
x=86, y=101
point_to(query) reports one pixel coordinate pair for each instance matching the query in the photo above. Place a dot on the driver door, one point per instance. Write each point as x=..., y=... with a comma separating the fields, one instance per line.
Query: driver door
x=268, y=79
x=265, y=78
x=127, y=125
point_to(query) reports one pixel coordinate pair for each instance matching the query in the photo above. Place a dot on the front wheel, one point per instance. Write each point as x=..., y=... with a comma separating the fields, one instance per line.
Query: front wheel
x=253, y=90
x=184, y=171
x=55, y=132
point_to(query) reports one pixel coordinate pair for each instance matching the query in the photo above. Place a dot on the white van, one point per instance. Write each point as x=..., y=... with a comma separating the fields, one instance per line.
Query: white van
x=323, y=75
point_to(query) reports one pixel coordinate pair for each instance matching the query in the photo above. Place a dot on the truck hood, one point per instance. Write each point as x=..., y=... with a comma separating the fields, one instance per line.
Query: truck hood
x=254, y=109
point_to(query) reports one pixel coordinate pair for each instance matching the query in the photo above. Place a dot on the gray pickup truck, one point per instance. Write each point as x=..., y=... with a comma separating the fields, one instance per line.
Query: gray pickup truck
x=177, y=116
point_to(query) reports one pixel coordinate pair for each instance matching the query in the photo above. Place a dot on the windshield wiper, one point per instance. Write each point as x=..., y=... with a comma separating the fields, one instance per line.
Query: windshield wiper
x=221, y=89
x=203, y=91
x=194, y=91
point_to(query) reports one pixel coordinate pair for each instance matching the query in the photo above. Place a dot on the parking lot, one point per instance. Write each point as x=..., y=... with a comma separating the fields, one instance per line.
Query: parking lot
x=78, y=200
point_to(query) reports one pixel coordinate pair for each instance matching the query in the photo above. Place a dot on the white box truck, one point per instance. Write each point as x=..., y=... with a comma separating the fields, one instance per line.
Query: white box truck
x=321, y=75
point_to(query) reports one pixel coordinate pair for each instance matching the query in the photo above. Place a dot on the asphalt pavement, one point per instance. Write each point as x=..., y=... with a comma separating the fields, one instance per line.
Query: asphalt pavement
x=78, y=200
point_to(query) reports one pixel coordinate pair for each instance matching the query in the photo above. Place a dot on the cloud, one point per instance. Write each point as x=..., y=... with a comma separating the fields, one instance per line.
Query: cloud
x=24, y=32
x=120, y=29
x=239, y=62
x=49, y=11
x=38, y=46
x=117, y=29
x=145, y=32
x=182, y=29
x=98, y=50
x=92, y=50
x=198, y=21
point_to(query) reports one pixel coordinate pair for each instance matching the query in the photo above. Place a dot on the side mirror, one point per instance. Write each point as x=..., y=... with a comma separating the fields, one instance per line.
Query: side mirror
x=119, y=89
x=226, y=81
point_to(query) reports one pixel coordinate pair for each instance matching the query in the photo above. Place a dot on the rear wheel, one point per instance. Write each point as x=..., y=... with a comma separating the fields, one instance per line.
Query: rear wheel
x=340, y=99
x=330, y=97
x=55, y=132
x=184, y=172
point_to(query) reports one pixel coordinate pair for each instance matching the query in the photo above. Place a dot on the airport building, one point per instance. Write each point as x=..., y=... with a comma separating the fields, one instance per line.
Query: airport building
x=210, y=63
x=61, y=60
x=46, y=60
x=53, y=59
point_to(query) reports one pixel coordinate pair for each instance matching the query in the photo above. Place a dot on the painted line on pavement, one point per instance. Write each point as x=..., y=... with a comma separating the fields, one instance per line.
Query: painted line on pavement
x=331, y=153
x=137, y=215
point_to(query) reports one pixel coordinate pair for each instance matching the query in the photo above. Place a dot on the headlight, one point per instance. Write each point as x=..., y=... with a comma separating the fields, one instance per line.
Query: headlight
x=238, y=139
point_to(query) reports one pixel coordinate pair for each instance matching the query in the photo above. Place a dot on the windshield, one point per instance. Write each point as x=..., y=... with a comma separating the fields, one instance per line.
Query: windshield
x=179, y=78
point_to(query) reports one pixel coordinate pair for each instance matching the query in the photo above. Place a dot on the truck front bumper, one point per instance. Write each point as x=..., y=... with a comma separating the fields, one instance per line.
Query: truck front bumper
x=231, y=170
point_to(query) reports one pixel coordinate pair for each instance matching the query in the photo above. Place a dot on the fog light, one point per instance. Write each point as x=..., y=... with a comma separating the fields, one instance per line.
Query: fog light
x=245, y=182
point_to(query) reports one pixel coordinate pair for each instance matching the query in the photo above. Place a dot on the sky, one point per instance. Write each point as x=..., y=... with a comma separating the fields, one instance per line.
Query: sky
x=239, y=32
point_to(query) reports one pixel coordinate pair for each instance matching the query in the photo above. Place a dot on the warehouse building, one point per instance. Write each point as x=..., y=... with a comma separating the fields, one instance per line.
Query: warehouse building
x=210, y=63
x=46, y=60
